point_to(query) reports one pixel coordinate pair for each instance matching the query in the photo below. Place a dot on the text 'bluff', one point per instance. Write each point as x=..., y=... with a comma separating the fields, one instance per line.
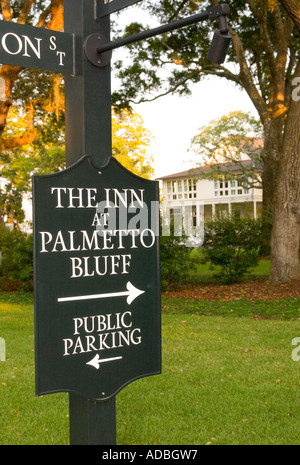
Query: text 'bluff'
x=100, y=238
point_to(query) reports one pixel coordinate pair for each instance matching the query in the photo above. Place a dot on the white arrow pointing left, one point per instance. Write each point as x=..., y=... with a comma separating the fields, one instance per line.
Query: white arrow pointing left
x=131, y=293
x=95, y=362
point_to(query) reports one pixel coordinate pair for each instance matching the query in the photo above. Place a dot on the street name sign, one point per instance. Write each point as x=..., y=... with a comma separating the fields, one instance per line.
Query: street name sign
x=106, y=7
x=36, y=47
x=97, y=279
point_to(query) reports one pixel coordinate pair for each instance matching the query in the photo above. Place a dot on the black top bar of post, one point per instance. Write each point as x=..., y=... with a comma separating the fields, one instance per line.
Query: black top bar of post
x=210, y=13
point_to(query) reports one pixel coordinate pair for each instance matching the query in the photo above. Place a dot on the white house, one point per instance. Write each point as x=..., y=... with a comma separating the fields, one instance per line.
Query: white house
x=190, y=199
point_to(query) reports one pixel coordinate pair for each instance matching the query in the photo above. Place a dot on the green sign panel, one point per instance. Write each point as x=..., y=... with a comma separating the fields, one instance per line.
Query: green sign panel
x=35, y=47
x=97, y=288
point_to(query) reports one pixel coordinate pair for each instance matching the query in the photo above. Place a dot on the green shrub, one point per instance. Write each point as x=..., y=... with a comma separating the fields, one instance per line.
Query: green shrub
x=17, y=255
x=175, y=261
x=233, y=244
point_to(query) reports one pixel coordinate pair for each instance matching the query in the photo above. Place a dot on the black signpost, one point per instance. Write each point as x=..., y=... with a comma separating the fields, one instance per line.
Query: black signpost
x=96, y=226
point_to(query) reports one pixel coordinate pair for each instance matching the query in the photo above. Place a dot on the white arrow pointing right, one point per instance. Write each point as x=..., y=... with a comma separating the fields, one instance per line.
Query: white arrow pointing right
x=131, y=293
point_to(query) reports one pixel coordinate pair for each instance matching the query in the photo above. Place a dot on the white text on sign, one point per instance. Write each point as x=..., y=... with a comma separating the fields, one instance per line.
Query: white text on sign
x=15, y=44
x=103, y=236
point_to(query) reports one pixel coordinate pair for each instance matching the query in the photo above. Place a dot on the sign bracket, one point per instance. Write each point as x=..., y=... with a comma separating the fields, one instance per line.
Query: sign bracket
x=97, y=47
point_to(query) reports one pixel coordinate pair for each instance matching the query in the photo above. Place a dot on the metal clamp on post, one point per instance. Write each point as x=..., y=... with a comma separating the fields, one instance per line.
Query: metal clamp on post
x=97, y=47
x=91, y=45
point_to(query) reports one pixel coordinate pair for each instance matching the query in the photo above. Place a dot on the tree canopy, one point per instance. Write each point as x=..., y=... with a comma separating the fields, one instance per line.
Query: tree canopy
x=46, y=154
x=130, y=143
x=32, y=124
x=36, y=90
x=229, y=139
x=264, y=60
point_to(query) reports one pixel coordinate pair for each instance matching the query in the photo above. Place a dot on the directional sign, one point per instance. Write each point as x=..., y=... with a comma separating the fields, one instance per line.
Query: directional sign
x=97, y=292
x=35, y=47
x=106, y=7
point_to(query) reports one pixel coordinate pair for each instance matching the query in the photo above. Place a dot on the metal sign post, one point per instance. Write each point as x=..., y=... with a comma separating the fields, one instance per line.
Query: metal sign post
x=88, y=93
x=97, y=292
x=119, y=348
x=97, y=307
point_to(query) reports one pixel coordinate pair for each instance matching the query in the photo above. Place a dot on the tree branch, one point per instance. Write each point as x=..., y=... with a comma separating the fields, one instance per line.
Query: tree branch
x=55, y=13
x=56, y=21
x=246, y=78
x=6, y=10
x=13, y=142
x=24, y=12
x=43, y=16
x=261, y=16
x=293, y=9
x=171, y=90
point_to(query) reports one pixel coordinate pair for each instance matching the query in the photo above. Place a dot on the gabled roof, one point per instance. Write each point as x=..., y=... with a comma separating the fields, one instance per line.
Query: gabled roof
x=223, y=167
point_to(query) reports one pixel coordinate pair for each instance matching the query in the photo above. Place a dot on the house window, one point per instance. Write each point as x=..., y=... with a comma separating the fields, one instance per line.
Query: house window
x=190, y=188
x=169, y=190
x=182, y=189
x=179, y=184
x=194, y=216
x=240, y=188
x=225, y=187
x=174, y=189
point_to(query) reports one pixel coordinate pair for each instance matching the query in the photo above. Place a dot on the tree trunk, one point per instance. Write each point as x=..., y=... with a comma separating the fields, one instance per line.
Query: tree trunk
x=286, y=218
x=52, y=17
x=271, y=156
x=292, y=7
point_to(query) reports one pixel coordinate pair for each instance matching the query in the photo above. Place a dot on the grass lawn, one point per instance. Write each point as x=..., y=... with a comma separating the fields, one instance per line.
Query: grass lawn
x=228, y=378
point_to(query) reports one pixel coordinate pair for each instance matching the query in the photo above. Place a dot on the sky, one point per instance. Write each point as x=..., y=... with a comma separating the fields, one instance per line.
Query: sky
x=173, y=121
